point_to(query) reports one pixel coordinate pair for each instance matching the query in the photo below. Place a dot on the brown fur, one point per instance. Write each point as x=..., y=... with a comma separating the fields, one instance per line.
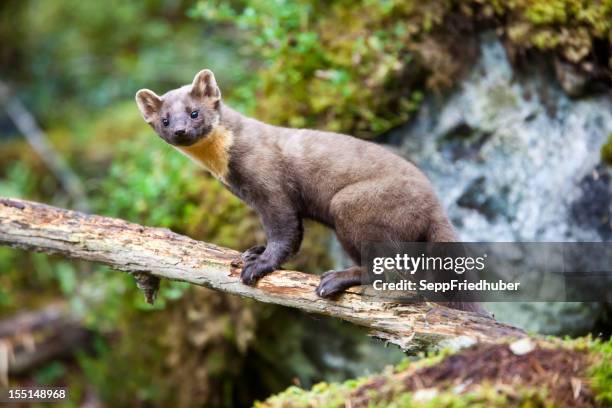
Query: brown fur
x=360, y=189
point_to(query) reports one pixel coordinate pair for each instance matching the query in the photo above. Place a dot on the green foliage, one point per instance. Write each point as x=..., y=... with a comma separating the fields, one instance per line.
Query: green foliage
x=349, y=82
x=601, y=372
x=72, y=57
x=361, y=67
x=18, y=182
x=50, y=373
x=172, y=192
x=565, y=26
x=606, y=151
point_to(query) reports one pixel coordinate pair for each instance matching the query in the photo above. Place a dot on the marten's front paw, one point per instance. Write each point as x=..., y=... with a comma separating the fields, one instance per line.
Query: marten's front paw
x=252, y=253
x=255, y=270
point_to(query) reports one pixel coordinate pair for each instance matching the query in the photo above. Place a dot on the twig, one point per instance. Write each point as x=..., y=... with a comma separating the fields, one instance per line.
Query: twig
x=36, y=137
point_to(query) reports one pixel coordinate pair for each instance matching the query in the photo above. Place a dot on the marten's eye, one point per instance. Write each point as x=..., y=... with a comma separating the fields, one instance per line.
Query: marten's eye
x=194, y=114
x=165, y=122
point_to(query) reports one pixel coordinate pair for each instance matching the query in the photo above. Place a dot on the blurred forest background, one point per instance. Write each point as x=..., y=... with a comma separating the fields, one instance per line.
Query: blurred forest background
x=361, y=67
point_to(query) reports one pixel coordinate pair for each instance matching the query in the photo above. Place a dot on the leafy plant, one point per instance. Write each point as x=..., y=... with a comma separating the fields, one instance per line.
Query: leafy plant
x=362, y=67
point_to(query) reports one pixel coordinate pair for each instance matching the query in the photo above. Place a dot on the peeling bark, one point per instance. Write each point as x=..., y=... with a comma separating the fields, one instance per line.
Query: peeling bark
x=163, y=254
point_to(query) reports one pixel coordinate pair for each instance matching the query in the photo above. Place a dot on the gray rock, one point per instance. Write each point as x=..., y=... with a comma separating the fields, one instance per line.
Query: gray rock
x=516, y=159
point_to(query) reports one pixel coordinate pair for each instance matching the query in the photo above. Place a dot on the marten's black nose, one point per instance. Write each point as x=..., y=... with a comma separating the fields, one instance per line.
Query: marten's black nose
x=179, y=132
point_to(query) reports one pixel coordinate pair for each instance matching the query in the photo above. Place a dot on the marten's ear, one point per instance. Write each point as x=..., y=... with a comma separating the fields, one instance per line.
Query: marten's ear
x=149, y=103
x=205, y=86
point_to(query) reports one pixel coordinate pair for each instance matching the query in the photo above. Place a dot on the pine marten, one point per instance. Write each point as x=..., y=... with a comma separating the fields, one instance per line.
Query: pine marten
x=361, y=190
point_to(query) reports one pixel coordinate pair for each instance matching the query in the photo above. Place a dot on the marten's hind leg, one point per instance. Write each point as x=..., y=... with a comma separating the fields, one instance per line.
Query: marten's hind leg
x=355, y=223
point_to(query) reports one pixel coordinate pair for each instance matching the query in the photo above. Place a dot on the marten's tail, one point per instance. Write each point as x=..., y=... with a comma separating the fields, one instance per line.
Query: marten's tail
x=441, y=230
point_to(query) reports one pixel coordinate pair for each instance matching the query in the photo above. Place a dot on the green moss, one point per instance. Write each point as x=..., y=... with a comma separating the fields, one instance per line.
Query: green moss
x=601, y=372
x=390, y=391
x=323, y=394
x=423, y=360
x=336, y=397
x=545, y=39
x=606, y=151
x=547, y=12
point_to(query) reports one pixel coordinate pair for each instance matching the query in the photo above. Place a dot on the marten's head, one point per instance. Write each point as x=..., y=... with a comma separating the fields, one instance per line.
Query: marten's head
x=186, y=115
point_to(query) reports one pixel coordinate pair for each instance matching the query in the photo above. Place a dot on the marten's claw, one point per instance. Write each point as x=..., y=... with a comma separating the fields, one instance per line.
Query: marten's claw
x=335, y=282
x=252, y=253
x=329, y=287
x=255, y=270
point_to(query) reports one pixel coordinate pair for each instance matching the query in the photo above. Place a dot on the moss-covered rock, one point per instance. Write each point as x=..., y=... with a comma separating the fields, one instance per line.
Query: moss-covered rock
x=361, y=67
x=524, y=373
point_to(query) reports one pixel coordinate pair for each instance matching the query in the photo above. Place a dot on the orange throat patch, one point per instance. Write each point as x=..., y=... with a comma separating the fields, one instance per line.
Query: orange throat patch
x=212, y=152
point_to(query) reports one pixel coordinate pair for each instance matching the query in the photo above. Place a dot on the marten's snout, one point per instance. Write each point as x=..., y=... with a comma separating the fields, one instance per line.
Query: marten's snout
x=182, y=138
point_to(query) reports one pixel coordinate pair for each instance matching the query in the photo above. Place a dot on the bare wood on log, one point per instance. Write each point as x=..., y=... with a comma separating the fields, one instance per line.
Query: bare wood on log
x=161, y=253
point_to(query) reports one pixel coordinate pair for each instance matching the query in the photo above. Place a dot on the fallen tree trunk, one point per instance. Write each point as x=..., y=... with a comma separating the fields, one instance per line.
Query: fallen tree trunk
x=161, y=253
x=31, y=321
x=32, y=338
